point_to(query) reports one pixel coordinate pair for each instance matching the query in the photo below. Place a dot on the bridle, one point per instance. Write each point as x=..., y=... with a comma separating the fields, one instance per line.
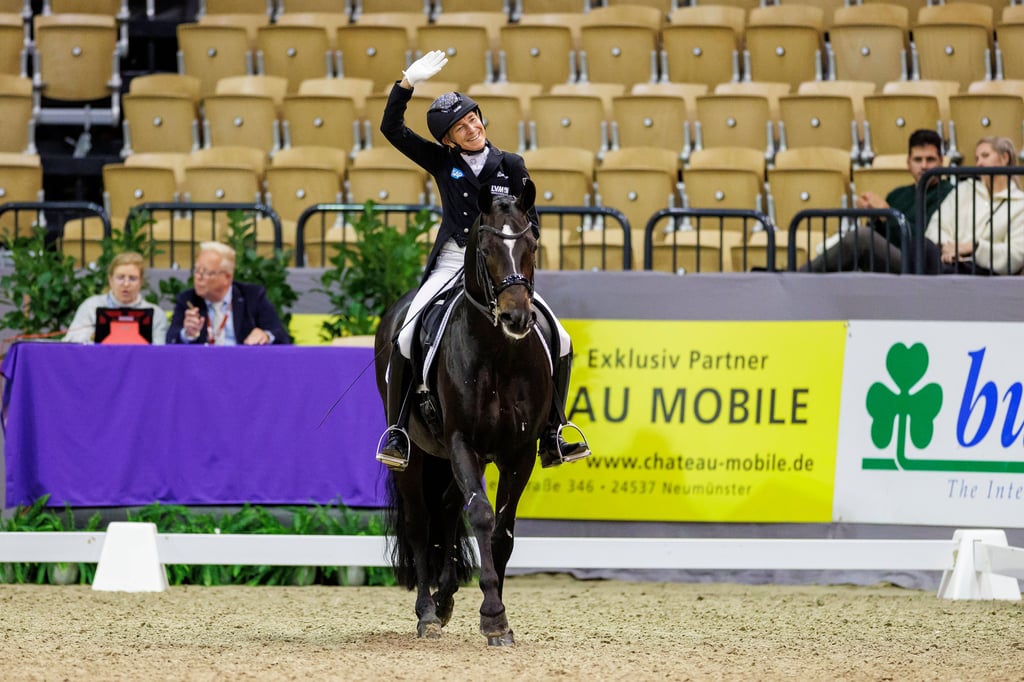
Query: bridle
x=489, y=306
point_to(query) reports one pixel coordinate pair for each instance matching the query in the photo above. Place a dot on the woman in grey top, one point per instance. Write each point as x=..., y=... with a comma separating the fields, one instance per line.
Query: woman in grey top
x=124, y=287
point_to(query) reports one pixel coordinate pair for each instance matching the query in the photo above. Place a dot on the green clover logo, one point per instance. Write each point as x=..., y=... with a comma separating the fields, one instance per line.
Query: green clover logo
x=906, y=411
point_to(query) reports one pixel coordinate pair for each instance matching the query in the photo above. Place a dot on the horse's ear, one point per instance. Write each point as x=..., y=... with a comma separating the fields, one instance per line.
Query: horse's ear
x=484, y=199
x=528, y=197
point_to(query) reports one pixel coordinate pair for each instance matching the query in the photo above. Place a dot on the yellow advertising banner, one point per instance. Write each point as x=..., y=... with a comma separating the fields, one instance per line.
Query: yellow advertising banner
x=698, y=421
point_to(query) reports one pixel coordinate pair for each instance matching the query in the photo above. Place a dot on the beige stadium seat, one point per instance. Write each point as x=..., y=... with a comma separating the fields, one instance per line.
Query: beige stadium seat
x=537, y=54
x=701, y=44
x=241, y=120
x=650, y=121
x=504, y=118
x=707, y=249
x=76, y=61
x=252, y=22
x=568, y=121
x=329, y=21
x=941, y=90
x=855, y=90
x=724, y=189
x=379, y=53
x=159, y=123
x=17, y=135
x=974, y=116
x=13, y=54
x=1010, y=42
x=823, y=158
x=442, y=7
x=357, y=89
x=321, y=120
x=954, y=42
x=818, y=121
x=735, y=121
x=295, y=53
x=739, y=158
x=564, y=177
x=290, y=190
x=490, y=20
x=784, y=44
x=468, y=49
x=688, y=92
x=210, y=52
x=891, y=118
x=21, y=179
x=773, y=91
x=870, y=42
x=792, y=190
x=124, y=188
x=617, y=53
x=639, y=182
x=385, y=176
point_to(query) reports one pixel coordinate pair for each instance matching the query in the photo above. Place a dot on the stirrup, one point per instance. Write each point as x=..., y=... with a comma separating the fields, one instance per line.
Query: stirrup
x=392, y=462
x=583, y=449
x=580, y=454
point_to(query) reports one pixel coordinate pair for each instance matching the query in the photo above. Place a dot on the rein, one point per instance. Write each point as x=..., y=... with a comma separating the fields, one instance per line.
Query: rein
x=489, y=306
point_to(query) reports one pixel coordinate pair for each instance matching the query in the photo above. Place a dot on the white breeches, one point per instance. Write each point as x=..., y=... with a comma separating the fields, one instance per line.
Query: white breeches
x=444, y=276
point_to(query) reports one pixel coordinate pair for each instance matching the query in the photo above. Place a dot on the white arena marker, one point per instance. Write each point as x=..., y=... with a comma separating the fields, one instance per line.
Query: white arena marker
x=130, y=561
x=971, y=577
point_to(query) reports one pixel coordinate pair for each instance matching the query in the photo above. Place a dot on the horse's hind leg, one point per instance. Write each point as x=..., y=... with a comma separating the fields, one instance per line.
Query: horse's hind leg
x=415, y=538
x=448, y=582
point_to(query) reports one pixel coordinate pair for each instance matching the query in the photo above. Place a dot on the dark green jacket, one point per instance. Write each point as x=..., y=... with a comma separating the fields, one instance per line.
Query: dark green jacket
x=902, y=200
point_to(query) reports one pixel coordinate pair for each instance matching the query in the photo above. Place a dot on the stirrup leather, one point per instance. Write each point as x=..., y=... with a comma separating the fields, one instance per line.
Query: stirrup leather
x=393, y=462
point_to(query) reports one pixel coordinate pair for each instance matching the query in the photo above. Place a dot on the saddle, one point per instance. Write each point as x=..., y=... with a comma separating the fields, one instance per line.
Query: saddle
x=430, y=328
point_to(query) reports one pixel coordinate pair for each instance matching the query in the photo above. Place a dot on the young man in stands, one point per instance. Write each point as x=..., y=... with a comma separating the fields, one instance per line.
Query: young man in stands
x=876, y=248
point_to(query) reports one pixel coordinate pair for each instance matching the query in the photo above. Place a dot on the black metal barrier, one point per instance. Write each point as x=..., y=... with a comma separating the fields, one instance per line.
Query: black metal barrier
x=580, y=246
x=684, y=244
x=925, y=262
x=838, y=248
x=59, y=218
x=172, y=251
x=340, y=212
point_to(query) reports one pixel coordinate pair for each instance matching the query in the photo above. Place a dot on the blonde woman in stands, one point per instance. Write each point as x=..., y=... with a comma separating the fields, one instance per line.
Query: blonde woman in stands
x=979, y=227
x=124, y=290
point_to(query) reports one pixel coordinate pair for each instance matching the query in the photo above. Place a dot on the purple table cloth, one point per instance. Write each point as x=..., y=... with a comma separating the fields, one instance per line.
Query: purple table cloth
x=98, y=426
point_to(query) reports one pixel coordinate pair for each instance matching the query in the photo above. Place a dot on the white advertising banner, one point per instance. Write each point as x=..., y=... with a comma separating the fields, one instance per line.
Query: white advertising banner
x=932, y=424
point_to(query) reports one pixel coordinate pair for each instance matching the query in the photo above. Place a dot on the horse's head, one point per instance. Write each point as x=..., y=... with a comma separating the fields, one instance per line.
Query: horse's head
x=500, y=259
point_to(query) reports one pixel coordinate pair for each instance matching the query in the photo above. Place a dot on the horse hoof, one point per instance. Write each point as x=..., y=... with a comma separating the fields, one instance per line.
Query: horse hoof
x=429, y=630
x=505, y=639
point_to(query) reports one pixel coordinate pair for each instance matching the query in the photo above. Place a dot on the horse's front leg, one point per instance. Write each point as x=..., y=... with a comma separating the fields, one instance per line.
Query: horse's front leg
x=512, y=482
x=493, y=621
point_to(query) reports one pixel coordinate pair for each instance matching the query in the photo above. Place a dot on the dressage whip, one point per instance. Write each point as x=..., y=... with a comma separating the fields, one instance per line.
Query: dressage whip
x=444, y=287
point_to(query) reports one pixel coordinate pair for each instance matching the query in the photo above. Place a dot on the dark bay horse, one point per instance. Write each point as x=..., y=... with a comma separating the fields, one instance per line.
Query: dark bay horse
x=493, y=386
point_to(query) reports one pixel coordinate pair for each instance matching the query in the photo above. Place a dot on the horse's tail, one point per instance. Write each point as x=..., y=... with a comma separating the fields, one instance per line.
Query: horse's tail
x=444, y=507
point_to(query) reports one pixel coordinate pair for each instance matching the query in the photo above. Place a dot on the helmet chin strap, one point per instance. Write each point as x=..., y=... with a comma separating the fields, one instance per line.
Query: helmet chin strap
x=468, y=152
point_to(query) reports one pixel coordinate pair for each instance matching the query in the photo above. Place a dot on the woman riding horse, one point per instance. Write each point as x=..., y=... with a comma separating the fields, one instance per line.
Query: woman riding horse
x=463, y=162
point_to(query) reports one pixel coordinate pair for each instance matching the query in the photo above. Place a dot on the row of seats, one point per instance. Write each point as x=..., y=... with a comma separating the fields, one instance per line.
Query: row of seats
x=164, y=113
x=708, y=44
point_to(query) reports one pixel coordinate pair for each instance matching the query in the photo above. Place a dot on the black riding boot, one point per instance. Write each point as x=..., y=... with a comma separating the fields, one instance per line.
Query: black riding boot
x=394, y=453
x=554, y=449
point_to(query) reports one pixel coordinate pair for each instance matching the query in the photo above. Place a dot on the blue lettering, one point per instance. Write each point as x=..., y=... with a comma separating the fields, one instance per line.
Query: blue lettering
x=970, y=401
x=1009, y=433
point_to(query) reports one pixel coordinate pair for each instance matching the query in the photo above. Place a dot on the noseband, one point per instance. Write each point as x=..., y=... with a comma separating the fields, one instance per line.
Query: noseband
x=489, y=306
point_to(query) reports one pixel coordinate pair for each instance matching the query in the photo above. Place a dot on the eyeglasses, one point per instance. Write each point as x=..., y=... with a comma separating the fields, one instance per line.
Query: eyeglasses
x=200, y=273
x=127, y=279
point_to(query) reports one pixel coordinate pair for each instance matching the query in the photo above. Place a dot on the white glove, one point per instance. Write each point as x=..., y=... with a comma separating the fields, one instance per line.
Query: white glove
x=425, y=67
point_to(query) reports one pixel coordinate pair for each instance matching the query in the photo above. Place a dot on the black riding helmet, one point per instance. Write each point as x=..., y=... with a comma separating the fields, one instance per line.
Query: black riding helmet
x=446, y=110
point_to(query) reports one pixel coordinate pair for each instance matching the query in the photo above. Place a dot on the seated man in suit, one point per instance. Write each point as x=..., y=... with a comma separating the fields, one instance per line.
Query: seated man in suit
x=220, y=311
